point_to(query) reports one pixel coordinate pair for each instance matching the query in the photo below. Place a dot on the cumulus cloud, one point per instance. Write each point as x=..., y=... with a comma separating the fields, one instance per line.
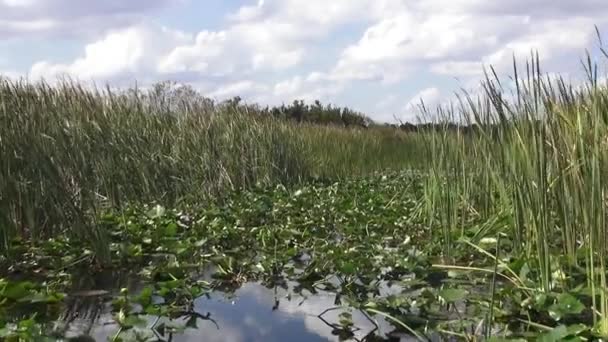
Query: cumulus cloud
x=268, y=50
x=392, y=45
x=195, y=56
x=313, y=18
x=242, y=48
x=121, y=54
x=457, y=37
x=271, y=35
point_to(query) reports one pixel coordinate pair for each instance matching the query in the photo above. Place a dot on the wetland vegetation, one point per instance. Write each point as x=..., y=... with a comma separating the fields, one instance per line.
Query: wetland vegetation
x=160, y=216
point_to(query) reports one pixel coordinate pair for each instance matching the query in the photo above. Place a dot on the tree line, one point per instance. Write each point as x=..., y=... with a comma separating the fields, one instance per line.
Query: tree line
x=172, y=98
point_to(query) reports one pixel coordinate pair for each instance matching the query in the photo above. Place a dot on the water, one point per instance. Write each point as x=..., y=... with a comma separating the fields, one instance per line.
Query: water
x=254, y=313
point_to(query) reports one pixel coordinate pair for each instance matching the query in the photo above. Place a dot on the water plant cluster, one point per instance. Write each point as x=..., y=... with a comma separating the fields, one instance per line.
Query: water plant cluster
x=364, y=240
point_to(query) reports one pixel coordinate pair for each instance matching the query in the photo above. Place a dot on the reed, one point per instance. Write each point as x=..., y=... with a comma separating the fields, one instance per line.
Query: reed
x=538, y=160
x=68, y=150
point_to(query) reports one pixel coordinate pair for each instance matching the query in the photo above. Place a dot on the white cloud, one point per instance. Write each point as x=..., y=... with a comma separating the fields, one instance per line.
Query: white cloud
x=314, y=87
x=264, y=45
x=551, y=39
x=195, y=56
x=429, y=96
x=271, y=35
x=312, y=18
x=11, y=75
x=308, y=309
x=248, y=13
x=455, y=38
x=130, y=52
x=276, y=34
x=396, y=44
x=241, y=88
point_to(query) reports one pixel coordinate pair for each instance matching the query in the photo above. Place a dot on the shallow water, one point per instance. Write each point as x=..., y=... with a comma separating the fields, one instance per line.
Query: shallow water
x=255, y=313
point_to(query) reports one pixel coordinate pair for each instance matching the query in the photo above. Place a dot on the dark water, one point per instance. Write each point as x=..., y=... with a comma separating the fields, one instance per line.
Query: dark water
x=254, y=313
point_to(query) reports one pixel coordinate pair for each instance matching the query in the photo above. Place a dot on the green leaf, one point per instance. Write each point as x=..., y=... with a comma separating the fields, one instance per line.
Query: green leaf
x=134, y=321
x=540, y=301
x=577, y=329
x=566, y=304
x=145, y=297
x=453, y=295
x=556, y=334
x=17, y=291
x=171, y=229
x=27, y=323
x=348, y=268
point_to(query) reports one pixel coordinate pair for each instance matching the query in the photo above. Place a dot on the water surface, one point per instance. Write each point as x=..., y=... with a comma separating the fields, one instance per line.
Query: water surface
x=254, y=313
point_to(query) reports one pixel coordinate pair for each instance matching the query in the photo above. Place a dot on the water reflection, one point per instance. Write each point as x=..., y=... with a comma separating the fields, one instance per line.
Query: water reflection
x=255, y=313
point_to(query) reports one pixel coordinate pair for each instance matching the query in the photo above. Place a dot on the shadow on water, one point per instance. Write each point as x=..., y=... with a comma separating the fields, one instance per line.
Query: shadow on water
x=88, y=304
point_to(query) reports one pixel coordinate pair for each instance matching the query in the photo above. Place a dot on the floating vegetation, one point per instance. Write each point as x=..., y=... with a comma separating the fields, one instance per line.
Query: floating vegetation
x=357, y=251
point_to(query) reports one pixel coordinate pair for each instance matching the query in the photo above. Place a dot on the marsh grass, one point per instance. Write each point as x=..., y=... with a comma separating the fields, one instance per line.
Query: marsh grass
x=67, y=150
x=539, y=160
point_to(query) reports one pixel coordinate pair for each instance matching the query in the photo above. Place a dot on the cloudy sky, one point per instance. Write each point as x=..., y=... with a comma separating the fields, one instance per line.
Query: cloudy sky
x=377, y=56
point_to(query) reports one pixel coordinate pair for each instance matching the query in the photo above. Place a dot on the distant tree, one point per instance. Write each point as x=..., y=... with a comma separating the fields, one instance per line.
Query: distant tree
x=297, y=110
x=172, y=98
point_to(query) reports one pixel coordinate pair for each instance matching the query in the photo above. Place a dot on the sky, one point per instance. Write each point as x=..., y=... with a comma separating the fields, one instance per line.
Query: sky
x=381, y=57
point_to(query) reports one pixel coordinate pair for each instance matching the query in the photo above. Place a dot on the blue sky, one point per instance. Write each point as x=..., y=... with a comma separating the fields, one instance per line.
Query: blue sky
x=376, y=56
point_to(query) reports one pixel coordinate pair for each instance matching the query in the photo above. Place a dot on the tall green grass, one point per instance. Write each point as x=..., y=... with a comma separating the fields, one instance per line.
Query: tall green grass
x=535, y=169
x=67, y=150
